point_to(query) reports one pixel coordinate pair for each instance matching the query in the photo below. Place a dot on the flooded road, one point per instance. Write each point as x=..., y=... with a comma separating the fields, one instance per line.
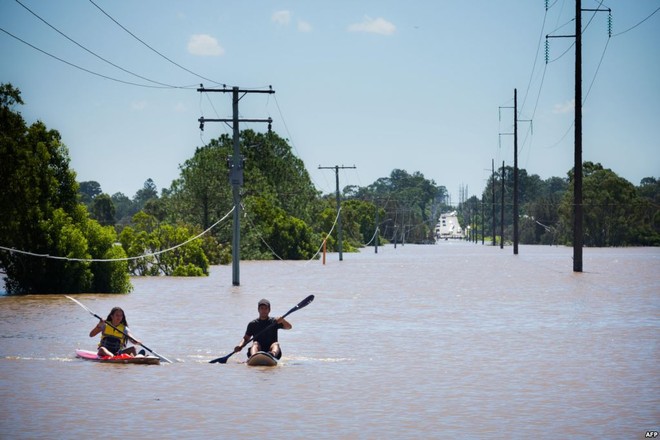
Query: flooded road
x=454, y=340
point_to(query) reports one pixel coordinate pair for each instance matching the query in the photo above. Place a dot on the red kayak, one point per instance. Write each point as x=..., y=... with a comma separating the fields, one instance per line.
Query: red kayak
x=119, y=359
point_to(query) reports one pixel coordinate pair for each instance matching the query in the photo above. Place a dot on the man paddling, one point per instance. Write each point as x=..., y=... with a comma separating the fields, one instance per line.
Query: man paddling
x=264, y=330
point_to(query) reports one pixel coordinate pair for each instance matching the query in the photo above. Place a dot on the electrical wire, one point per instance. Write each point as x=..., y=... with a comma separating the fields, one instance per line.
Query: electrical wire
x=109, y=260
x=151, y=48
x=633, y=27
x=95, y=54
x=79, y=67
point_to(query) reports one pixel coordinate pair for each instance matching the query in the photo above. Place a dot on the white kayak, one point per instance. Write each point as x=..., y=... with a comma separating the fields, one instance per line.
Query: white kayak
x=262, y=359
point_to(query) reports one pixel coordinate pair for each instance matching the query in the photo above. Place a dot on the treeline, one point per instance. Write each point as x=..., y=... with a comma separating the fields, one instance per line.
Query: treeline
x=187, y=227
x=615, y=212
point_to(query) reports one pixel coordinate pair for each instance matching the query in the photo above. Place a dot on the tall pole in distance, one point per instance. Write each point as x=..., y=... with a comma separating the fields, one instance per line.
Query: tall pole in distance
x=483, y=222
x=339, y=230
x=377, y=232
x=493, y=204
x=502, y=212
x=236, y=171
x=515, y=171
x=577, y=178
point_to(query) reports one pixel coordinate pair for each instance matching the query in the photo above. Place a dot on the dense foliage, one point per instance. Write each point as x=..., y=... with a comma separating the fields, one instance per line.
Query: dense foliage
x=41, y=214
x=615, y=212
x=282, y=215
x=279, y=200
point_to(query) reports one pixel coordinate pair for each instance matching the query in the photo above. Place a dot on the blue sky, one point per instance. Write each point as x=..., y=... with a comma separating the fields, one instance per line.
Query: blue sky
x=418, y=85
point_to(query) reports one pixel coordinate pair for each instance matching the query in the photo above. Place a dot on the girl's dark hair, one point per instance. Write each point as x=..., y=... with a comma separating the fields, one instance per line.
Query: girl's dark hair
x=123, y=319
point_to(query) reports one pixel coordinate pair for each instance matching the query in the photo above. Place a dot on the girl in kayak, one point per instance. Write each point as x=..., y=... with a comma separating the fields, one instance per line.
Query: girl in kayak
x=113, y=340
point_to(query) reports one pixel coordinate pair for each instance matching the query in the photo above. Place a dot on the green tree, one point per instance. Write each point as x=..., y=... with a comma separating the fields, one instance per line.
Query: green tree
x=202, y=195
x=148, y=192
x=124, y=208
x=162, y=249
x=608, y=202
x=41, y=213
x=280, y=235
x=88, y=191
x=409, y=204
x=103, y=210
x=275, y=183
x=647, y=213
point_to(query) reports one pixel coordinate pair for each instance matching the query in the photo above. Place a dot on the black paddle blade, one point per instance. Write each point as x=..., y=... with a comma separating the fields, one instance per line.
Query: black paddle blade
x=221, y=360
x=305, y=301
x=301, y=304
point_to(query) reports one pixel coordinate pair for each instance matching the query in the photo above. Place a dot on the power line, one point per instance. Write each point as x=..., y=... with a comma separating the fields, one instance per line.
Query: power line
x=95, y=54
x=148, y=46
x=79, y=67
x=633, y=27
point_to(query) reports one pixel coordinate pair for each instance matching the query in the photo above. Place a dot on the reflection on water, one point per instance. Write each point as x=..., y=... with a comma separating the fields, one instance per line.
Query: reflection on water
x=454, y=340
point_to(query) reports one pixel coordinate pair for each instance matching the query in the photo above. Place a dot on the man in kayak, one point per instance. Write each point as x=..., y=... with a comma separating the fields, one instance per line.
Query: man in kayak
x=114, y=335
x=264, y=330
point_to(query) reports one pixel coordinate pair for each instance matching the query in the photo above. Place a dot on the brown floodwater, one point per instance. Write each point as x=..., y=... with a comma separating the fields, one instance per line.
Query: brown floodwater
x=454, y=340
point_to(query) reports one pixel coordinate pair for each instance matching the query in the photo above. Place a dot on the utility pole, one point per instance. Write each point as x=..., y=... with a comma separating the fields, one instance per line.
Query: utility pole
x=515, y=171
x=377, y=232
x=339, y=231
x=577, y=178
x=502, y=212
x=493, y=204
x=516, y=235
x=483, y=222
x=578, y=214
x=236, y=167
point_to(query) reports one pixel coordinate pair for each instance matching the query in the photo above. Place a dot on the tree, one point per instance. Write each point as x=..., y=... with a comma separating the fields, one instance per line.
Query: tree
x=275, y=185
x=149, y=191
x=103, y=210
x=408, y=203
x=88, y=191
x=124, y=208
x=149, y=239
x=41, y=213
x=609, y=202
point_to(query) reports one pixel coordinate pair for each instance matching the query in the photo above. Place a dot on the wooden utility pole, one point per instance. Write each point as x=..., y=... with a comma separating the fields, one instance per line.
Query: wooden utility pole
x=502, y=212
x=339, y=231
x=515, y=171
x=377, y=231
x=493, y=204
x=578, y=213
x=577, y=178
x=236, y=168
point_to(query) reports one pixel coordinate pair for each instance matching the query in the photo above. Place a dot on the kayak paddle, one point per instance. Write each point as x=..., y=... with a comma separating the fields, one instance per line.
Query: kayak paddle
x=101, y=319
x=300, y=305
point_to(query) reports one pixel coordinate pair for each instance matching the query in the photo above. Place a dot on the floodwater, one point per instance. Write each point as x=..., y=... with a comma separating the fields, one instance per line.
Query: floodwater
x=454, y=340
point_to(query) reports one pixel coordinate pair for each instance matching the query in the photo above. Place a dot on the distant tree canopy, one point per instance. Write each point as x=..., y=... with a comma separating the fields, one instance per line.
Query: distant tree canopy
x=42, y=215
x=615, y=212
x=45, y=211
x=408, y=207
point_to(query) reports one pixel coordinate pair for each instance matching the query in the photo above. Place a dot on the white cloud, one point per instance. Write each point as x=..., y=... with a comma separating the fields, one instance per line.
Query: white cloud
x=303, y=26
x=373, y=26
x=283, y=18
x=139, y=105
x=204, y=45
x=566, y=107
